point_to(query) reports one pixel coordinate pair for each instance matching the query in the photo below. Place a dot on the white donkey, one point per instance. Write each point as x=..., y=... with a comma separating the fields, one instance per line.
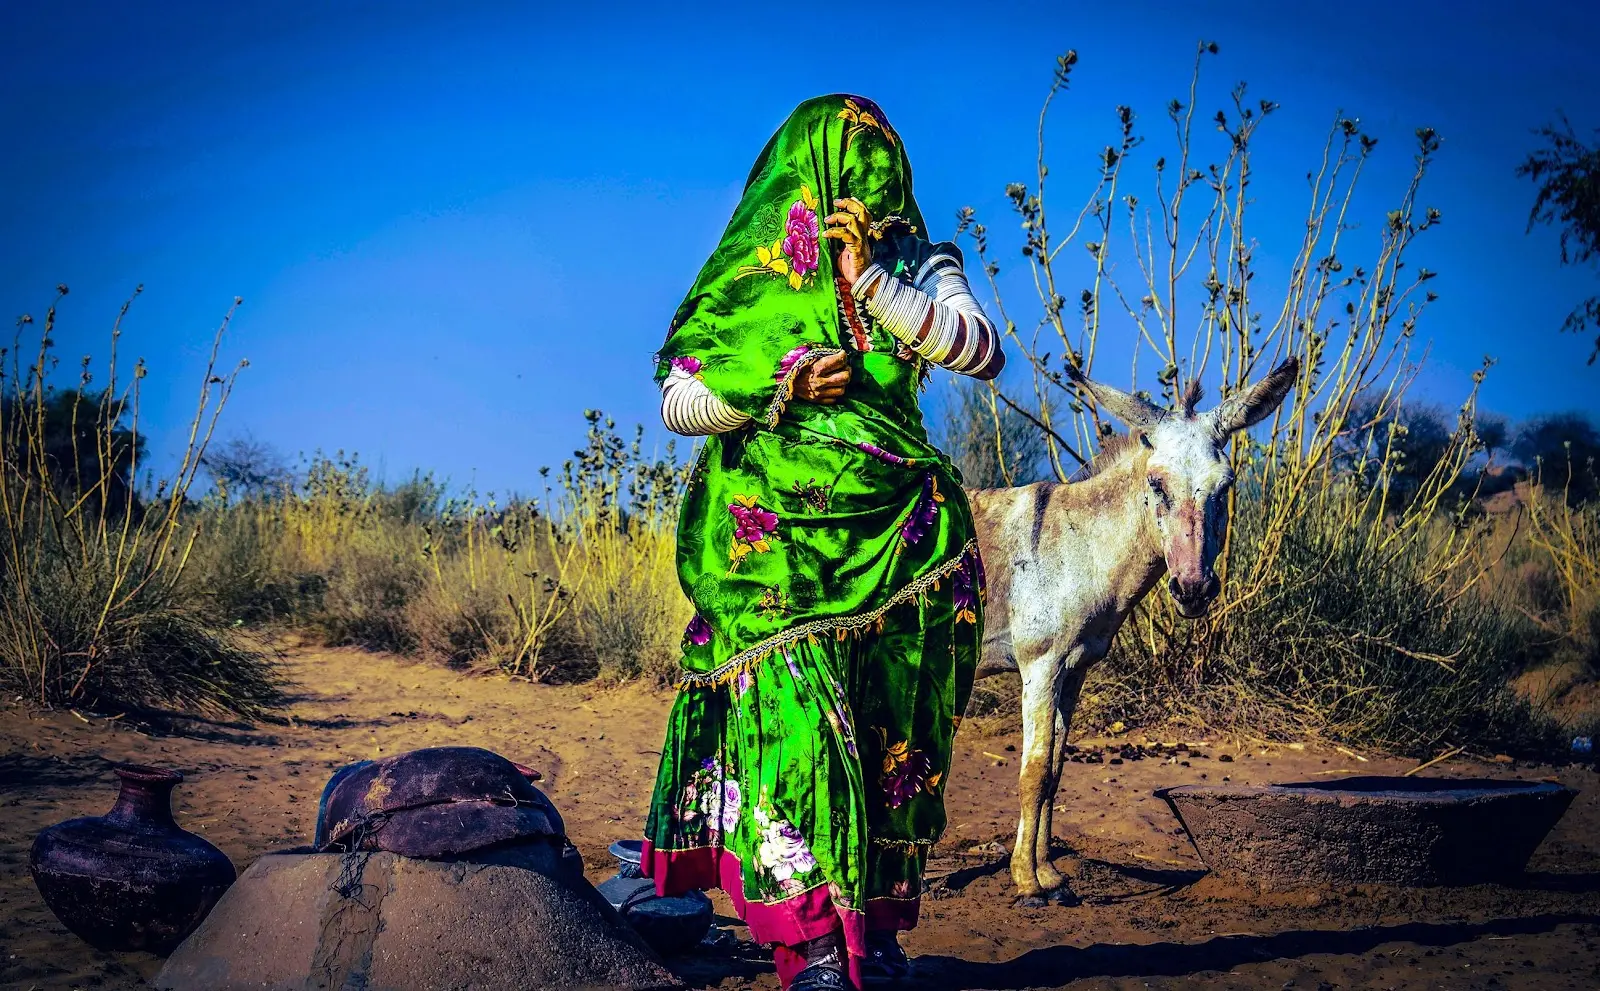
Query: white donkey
x=1067, y=563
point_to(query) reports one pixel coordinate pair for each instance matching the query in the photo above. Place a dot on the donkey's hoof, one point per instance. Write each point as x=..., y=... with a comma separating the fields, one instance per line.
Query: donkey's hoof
x=1030, y=901
x=1065, y=897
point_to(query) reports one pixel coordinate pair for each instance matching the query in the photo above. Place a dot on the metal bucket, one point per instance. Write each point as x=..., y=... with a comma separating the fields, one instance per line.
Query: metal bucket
x=671, y=925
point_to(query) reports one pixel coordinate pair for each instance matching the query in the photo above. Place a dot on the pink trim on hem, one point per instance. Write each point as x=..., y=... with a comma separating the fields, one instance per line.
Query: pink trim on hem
x=788, y=923
x=892, y=913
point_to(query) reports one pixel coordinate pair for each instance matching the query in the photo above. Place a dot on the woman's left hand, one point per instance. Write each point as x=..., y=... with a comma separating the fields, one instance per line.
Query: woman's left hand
x=852, y=225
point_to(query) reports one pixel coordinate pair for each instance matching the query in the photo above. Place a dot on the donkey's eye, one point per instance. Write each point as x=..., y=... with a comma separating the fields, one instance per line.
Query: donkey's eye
x=1144, y=441
x=1159, y=489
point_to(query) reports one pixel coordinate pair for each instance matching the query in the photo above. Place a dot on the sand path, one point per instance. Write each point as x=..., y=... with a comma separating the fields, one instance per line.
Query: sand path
x=1148, y=919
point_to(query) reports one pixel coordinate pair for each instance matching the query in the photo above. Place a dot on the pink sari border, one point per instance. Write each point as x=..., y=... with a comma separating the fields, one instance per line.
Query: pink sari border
x=898, y=914
x=788, y=923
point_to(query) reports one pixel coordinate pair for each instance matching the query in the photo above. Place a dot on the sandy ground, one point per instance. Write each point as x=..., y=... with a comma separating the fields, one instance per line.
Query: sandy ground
x=1148, y=918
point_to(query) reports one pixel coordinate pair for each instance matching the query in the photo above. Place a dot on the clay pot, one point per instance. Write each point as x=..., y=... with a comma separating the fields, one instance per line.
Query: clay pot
x=131, y=879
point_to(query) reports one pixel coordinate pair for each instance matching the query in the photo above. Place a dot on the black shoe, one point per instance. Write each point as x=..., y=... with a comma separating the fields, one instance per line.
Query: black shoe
x=886, y=962
x=824, y=969
x=820, y=977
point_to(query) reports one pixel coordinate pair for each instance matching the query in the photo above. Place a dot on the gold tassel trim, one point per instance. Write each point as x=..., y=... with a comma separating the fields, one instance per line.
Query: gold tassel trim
x=842, y=627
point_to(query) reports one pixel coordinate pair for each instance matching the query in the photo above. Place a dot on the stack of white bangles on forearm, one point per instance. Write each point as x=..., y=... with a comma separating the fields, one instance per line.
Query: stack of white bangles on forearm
x=691, y=409
x=958, y=334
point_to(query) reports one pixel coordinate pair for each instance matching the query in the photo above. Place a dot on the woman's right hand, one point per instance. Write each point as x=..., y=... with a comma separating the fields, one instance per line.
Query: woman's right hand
x=823, y=380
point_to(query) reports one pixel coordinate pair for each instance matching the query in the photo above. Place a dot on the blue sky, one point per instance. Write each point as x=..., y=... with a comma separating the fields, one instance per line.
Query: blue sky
x=455, y=229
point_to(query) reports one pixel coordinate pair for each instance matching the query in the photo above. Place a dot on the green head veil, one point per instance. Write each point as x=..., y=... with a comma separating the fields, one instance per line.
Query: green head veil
x=766, y=296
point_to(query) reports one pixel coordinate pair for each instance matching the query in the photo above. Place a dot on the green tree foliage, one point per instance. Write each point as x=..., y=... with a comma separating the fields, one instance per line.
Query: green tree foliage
x=244, y=467
x=1565, y=449
x=79, y=441
x=1402, y=444
x=1567, y=171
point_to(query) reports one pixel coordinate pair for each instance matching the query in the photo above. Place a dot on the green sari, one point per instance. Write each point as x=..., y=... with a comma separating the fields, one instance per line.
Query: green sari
x=830, y=556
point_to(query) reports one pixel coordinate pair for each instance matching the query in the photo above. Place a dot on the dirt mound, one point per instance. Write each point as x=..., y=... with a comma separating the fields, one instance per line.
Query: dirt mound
x=509, y=920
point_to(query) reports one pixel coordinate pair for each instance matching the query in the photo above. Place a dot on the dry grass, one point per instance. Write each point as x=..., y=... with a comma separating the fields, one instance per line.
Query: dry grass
x=94, y=610
x=581, y=582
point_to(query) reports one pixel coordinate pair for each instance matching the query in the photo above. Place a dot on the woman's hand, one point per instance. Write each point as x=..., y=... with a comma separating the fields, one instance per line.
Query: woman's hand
x=823, y=380
x=854, y=225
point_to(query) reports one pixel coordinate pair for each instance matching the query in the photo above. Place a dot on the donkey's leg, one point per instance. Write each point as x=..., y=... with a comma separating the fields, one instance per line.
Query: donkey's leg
x=1038, y=742
x=1066, y=699
x=1049, y=877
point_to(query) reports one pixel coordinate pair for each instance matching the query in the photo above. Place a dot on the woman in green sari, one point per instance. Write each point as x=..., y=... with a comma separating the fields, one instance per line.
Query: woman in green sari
x=828, y=550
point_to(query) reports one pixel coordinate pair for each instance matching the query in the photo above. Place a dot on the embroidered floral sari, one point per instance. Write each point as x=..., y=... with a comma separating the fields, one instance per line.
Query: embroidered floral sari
x=829, y=553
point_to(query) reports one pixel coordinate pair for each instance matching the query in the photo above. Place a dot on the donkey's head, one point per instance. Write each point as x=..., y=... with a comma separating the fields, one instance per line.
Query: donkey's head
x=1187, y=473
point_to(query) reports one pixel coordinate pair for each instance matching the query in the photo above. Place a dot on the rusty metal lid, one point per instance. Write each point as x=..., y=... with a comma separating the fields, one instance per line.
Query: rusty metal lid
x=435, y=802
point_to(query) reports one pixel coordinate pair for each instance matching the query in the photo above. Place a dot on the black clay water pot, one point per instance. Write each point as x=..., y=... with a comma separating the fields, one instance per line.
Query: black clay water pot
x=131, y=879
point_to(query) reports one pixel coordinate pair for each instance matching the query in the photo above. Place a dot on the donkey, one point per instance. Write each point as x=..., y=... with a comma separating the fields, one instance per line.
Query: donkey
x=1067, y=563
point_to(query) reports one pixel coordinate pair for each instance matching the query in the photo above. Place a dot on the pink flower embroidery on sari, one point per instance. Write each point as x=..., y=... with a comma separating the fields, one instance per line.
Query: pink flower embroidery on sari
x=698, y=632
x=787, y=362
x=752, y=528
x=904, y=772
x=687, y=363
x=752, y=524
x=795, y=255
x=711, y=799
x=800, y=242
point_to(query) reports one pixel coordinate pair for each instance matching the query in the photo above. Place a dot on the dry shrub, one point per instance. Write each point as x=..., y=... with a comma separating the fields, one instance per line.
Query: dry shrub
x=1354, y=600
x=335, y=554
x=578, y=583
x=1352, y=645
x=94, y=609
x=1568, y=536
x=623, y=510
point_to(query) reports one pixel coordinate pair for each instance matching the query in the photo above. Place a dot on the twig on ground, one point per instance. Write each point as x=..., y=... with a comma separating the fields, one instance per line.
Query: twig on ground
x=1442, y=757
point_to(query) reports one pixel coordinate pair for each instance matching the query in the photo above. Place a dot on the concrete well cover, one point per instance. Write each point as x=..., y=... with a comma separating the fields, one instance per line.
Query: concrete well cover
x=1369, y=830
x=507, y=919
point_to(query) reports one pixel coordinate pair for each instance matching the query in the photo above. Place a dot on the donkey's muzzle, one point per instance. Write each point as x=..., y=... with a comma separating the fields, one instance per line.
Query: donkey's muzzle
x=1193, y=598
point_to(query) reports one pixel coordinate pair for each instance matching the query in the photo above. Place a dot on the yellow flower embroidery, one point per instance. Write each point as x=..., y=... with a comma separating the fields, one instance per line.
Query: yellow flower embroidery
x=894, y=755
x=771, y=259
x=795, y=254
x=860, y=120
x=774, y=604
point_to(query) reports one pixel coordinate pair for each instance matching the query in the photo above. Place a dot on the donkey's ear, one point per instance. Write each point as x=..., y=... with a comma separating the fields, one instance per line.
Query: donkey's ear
x=1130, y=409
x=1249, y=406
